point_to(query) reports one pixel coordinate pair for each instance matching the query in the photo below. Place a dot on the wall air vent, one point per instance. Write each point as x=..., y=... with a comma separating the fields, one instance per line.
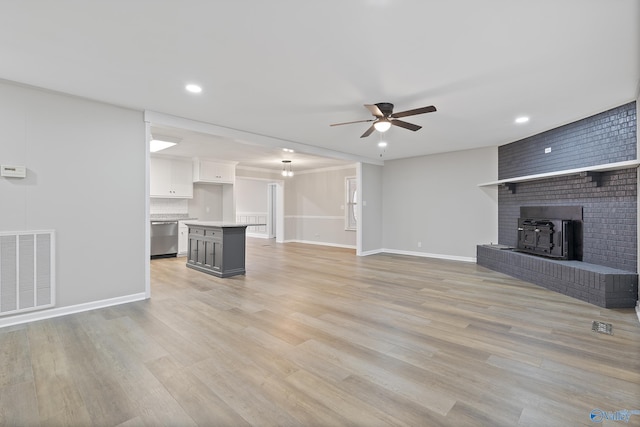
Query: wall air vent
x=27, y=271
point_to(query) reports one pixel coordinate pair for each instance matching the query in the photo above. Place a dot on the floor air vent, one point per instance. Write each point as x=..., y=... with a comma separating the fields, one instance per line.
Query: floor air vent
x=27, y=279
x=601, y=327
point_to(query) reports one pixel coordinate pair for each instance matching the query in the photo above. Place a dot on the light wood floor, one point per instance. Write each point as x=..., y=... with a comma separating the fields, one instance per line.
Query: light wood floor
x=315, y=336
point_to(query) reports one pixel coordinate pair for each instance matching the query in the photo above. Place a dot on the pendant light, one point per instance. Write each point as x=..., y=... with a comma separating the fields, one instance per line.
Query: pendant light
x=286, y=168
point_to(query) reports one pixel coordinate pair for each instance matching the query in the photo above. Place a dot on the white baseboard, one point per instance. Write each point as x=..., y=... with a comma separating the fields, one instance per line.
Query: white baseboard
x=426, y=255
x=311, y=242
x=34, y=316
x=373, y=252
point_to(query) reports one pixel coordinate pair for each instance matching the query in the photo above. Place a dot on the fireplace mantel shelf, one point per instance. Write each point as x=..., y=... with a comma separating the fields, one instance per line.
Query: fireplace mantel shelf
x=597, y=168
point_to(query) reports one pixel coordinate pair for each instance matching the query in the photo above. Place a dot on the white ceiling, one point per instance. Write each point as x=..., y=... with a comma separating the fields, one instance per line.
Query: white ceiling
x=287, y=69
x=205, y=146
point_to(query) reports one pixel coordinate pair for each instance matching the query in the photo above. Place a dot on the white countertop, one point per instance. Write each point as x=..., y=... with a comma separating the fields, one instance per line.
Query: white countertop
x=220, y=224
x=162, y=217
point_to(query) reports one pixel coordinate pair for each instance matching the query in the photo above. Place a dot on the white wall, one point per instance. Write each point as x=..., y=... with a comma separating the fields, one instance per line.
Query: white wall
x=256, y=173
x=86, y=180
x=206, y=204
x=372, y=202
x=251, y=196
x=314, y=207
x=267, y=177
x=436, y=200
x=638, y=179
x=252, y=204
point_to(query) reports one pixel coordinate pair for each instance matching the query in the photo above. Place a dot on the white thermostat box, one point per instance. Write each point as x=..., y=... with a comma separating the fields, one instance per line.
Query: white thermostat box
x=13, y=171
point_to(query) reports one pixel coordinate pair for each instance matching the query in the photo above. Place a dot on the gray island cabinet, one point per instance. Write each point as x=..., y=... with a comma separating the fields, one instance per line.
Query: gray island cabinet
x=216, y=248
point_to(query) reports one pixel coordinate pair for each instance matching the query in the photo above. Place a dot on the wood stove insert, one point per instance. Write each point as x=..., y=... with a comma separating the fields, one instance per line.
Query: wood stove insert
x=551, y=231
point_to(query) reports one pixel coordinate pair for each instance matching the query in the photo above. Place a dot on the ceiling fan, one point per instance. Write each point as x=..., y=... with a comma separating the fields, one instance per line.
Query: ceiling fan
x=385, y=118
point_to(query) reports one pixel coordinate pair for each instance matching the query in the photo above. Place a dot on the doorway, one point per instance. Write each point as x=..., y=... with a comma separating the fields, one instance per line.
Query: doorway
x=275, y=217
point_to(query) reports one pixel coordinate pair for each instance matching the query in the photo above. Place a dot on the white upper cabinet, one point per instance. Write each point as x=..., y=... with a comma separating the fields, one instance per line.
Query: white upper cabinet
x=170, y=178
x=214, y=172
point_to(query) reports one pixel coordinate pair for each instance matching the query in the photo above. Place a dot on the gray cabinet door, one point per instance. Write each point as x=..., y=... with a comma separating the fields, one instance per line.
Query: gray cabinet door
x=202, y=254
x=192, y=252
x=216, y=254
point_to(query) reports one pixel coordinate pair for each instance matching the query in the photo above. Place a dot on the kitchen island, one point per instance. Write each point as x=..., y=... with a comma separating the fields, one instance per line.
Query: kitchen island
x=217, y=248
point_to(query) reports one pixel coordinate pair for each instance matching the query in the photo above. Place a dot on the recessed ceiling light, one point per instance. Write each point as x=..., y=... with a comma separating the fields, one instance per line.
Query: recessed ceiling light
x=522, y=119
x=157, y=145
x=193, y=88
x=159, y=142
x=382, y=144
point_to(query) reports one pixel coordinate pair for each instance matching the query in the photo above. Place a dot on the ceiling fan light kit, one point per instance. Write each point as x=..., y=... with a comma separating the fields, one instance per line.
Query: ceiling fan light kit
x=385, y=118
x=382, y=125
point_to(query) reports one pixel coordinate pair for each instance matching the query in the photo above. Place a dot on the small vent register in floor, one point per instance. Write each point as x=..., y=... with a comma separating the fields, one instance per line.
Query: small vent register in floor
x=602, y=328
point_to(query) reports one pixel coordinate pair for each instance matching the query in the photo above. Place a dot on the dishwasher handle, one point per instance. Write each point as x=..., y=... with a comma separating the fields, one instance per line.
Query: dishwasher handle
x=163, y=222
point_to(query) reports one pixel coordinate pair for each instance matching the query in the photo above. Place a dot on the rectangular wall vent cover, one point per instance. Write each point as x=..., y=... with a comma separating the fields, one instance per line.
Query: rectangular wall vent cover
x=27, y=271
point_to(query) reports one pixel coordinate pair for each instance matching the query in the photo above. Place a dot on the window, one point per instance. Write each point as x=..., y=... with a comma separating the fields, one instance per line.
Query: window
x=350, y=212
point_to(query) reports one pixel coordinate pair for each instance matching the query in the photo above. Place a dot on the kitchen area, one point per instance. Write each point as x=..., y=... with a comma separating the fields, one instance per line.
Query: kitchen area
x=199, y=179
x=183, y=190
x=192, y=213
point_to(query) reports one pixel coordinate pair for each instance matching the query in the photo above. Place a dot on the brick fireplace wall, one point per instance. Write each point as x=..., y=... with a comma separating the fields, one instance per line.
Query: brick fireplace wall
x=609, y=213
x=609, y=199
x=607, y=137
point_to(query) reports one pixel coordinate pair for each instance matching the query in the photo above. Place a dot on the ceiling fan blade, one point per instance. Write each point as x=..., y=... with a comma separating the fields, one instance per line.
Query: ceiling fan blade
x=429, y=109
x=405, y=125
x=368, y=132
x=348, y=123
x=374, y=110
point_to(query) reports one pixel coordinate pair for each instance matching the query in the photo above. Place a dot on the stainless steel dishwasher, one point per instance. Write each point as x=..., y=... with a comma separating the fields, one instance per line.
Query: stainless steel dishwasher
x=164, y=239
